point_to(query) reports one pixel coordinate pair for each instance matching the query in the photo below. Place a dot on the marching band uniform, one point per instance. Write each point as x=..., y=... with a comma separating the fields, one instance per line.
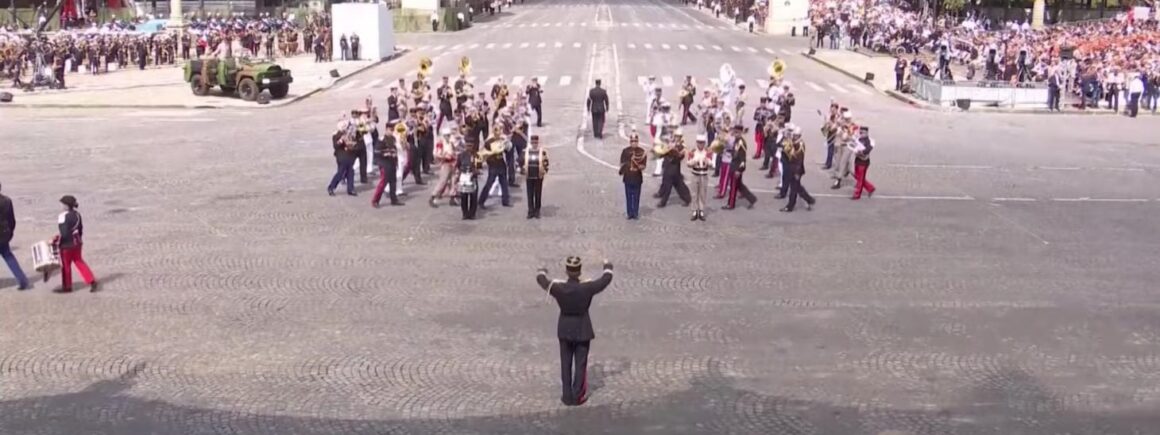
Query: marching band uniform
x=737, y=170
x=496, y=169
x=361, y=150
x=843, y=151
x=699, y=161
x=830, y=131
x=467, y=165
x=387, y=159
x=574, y=327
x=344, y=158
x=672, y=173
x=795, y=153
x=445, y=158
x=862, y=164
x=445, y=110
x=760, y=114
x=688, y=92
x=404, y=152
x=535, y=99
x=393, y=104
x=462, y=92
x=536, y=167
x=724, y=162
x=769, y=142
x=659, y=125
x=633, y=161
x=7, y=228
x=70, y=244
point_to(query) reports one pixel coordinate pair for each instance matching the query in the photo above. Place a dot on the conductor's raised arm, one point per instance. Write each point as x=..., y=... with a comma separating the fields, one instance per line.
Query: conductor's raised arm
x=542, y=279
x=605, y=279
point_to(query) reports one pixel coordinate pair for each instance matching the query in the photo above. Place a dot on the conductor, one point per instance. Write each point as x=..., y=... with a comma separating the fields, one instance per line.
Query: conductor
x=574, y=329
x=598, y=105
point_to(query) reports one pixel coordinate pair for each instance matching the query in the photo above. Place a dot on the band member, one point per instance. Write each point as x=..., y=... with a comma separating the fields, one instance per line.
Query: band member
x=536, y=167
x=419, y=89
x=394, y=104
x=726, y=152
x=633, y=161
x=387, y=159
x=7, y=228
x=700, y=160
x=445, y=95
x=830, y=132
x=688, y=92
x=737, y=169
x=362, y=128
x=414, y=151
x=467, y=165
x=660, y=126
x=597, y=105
x=445, y=153
x=536, y=100
x=795, y=153
x=672, y=156
x=862, y=164
x=462, y=91
x=343, y=141
x=769, y=144
x=70, y=243
x=493, y=153
x=574, y=327
x=514, y=155
x=786, y=103
x=843, y=150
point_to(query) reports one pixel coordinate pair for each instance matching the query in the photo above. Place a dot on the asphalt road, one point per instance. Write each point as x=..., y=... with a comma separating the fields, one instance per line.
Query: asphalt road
x=1002, y=281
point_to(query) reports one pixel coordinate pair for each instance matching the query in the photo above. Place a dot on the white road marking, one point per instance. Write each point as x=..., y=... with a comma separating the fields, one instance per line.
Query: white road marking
x=667, y=81
x=838, y=88
x=583, y=24
x=636, y=24
x=717, y=47
x=665, y=46
x=524, y=45
x=769, y=50
x=346, y=85
x=541, y=45
x=641, y=80
x=1100, y=199
x=559, y=44
x=860, y=88
x=784, y=51
x=631, y=45
x=937, y=198
x=471, y=79
x=457, y=46
x=1018, y=199
x=517, y=80
x=683, y=46
x=439, y=47
x=763, y=84
x=559, y=24
x=543, y=80
x=814, y=86
x=565, y=80
x=1057, y=168
x=493, y=80
x=699, y=46
x=489, y=45
x=473, y=46
x=575, y=45
x=751, y=49
x=372, y=83
x=735, y=48
x=925, y=166
x=648, y=46
x=1122, y=169
x=507, y=45
x=422, y=47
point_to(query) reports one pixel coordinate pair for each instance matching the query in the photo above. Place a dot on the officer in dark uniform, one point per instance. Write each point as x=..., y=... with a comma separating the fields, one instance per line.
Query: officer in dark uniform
x=574, y=329
x=535, y=99
x=598, y=105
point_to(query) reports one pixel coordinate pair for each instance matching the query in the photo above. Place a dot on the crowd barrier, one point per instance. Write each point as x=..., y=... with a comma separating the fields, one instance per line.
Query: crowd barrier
x=963, y=93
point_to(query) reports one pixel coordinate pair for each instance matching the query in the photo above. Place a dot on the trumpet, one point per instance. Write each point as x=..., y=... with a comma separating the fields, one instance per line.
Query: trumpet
x=425, y=67
x=465, y=66
x=717, y=146
x=660, y=150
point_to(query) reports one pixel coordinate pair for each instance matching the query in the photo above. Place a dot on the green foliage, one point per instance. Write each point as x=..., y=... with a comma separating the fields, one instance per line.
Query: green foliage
x=953, y=6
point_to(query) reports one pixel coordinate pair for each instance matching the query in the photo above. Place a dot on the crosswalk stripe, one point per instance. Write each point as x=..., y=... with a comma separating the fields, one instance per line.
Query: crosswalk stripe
x=667, y=81
x=372, y=83
x=541, y=45
x=860, y=88
x=559, y=24
x=571, y=24
x=699, y=46
x=838, y=88
x=683, y=46
x=492, y=80
x=636, y=24
x=815, y=86
x=648, y=24
x=565, y=80
x=471, y=79
x=517, y=80
x=769, y=50
x=490, y=45
x=717, y=47
x=648, y=46
x=665, y=46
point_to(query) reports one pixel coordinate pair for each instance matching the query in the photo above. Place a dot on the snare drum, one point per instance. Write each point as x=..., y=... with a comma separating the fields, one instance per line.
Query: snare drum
x=466, y=183
x=45, y=257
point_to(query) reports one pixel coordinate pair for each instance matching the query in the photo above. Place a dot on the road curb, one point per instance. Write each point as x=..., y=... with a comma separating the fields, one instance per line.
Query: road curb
x=849, y=74
x=282, y=103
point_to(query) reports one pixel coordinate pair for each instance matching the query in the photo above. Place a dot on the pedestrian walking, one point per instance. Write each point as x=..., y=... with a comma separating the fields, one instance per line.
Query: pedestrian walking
x=597, y=105
x=862, y=164
x=7, y=230
x=574, y=326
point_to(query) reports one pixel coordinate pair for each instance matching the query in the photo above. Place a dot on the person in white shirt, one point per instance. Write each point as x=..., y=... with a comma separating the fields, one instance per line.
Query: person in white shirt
x=1135, y=89
x=661, y=123
x=434, y=21
x=751, y=21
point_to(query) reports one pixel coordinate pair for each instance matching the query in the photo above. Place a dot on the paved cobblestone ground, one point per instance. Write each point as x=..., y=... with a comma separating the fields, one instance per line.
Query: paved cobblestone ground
x=240, y=299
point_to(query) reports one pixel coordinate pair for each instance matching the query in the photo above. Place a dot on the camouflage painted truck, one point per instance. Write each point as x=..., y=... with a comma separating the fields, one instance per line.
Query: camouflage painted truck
x=247, y=79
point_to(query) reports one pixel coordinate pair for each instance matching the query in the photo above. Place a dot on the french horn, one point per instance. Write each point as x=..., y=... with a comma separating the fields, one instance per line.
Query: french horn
x=777, y=68
x=425, y=67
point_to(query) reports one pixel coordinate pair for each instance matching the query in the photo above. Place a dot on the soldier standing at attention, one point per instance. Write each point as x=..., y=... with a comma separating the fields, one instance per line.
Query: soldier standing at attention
x=633, y=161
x=700, y=160
x=7, y=227
x=574, y=328
x=535, y=99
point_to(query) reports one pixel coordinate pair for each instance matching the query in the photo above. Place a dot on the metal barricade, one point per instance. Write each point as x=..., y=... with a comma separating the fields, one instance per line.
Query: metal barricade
x=980, y=92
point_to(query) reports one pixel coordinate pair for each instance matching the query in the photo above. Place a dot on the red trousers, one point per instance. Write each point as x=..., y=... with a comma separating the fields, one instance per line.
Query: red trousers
x=652, y=132
x=725, y=181
x=758, y=139
x=68, y=257
x=860, y=181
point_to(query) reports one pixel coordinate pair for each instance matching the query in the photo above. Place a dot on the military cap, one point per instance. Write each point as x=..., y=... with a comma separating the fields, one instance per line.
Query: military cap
x=572, y=263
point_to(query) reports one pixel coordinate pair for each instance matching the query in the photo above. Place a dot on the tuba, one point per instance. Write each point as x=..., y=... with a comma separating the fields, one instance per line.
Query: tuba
x=465, y=66
x=777, y=68
x=425, y=67
x=718, y=146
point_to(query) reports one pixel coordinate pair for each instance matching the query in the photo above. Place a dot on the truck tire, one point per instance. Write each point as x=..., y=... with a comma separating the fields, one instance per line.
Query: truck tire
x=195, y=85
x=279, y=90
x=248, y=89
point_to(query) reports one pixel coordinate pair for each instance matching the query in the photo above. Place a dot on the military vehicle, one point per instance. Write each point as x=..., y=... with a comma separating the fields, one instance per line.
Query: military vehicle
x=247, y=79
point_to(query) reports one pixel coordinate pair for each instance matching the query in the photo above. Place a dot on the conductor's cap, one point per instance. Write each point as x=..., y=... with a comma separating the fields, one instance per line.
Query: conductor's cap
x=572, y=263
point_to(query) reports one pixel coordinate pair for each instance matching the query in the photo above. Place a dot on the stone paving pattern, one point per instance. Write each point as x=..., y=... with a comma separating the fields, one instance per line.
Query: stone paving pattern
x=239, y=299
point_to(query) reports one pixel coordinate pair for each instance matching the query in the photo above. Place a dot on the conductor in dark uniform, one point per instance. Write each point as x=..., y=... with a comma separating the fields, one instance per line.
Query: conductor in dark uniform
x=574, y=329
x=598, y=105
